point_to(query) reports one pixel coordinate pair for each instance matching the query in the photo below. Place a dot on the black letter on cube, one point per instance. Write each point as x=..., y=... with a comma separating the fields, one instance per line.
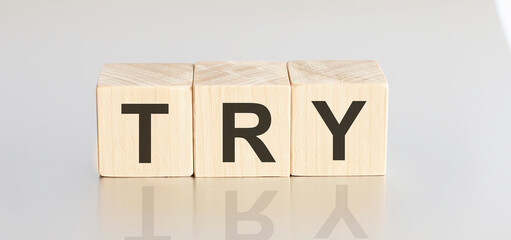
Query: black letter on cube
x=144, y=112
x=249, y=134
x=338, y=130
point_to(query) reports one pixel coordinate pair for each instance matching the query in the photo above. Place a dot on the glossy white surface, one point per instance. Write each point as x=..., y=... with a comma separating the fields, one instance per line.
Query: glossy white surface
x=447, y=62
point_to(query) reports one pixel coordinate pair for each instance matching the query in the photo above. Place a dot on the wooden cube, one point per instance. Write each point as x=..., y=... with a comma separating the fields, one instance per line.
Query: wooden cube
x=145, y=120
x=241, y=119
x=339, y=118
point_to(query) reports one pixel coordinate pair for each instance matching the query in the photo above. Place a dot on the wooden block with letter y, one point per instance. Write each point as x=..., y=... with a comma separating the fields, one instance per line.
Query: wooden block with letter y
x=339, y=118
x=145, y=120
x=241, y=119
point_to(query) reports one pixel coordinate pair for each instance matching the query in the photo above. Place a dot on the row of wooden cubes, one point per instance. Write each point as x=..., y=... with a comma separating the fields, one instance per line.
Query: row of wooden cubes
x=225, y=118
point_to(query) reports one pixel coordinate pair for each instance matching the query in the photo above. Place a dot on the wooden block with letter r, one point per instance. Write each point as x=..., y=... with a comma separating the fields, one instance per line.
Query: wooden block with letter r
x=241, y=119
x=339, y=118
x=145, y=120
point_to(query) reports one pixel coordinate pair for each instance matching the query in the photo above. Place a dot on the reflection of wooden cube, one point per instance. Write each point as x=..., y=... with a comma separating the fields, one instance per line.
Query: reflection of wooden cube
x=254, y=99
x=146, y=208
x=145, y=120
x=338, y=207
x=242, y=208
x=352, y=97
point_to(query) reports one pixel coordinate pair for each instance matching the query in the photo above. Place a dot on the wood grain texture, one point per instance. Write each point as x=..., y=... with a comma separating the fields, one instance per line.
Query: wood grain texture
x=338, y=83
x=265, y=83
x=146, y=74
x=235, y=73
x=171, y=134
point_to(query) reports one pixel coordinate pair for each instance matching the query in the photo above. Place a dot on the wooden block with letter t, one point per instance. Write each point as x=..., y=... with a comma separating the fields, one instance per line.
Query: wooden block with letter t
x=339, y=118
x=241, y=119
x=145, y=120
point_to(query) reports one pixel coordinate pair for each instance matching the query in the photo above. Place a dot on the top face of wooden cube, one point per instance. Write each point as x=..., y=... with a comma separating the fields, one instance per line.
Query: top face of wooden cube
x=235, y=73
x=336, y=72
x=146, y=75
